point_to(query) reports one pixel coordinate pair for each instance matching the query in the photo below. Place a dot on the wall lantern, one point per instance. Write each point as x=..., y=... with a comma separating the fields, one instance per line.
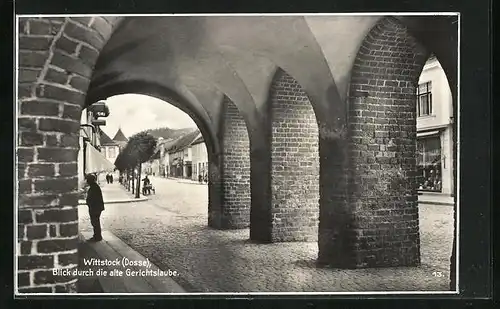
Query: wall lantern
x=99, y=122
x=99, y=109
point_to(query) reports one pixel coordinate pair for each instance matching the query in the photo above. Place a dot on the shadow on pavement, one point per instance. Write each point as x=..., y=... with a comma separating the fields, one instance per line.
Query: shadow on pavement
x=87, y=284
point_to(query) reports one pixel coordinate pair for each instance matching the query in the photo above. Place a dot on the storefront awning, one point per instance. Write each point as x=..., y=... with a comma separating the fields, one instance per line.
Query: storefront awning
x=428, y=133
x=96, y=162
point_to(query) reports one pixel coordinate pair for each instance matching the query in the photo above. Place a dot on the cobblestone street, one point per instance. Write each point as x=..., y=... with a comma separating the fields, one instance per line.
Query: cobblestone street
x=171, y=230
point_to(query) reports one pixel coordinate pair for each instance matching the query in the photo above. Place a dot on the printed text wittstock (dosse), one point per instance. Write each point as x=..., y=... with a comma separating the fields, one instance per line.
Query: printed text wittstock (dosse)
x=117, y=268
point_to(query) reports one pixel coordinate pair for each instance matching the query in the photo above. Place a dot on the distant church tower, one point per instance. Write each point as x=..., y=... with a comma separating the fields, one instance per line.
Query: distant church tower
x=120, y=139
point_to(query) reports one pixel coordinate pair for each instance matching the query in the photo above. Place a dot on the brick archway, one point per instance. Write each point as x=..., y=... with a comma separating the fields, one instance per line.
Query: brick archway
x=169, y=96
x=383, y=208
x=56, y=59
x=392, y=39
x=293, y=205
x=234, y=184
x=202, y=121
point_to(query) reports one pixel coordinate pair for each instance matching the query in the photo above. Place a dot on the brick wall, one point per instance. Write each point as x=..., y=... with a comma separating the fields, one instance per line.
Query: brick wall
x=56, y=59
x=235, y=169
x=294, y=162
x=382, y=123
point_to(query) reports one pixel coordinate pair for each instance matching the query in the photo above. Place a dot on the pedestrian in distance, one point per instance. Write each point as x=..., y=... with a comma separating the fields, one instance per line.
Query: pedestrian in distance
x=146, y=185
x=95, y=202
x=110, y=178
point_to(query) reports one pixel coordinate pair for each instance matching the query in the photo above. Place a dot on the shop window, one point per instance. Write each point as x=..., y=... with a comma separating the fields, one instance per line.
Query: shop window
x=424, y=99
x=429, y=176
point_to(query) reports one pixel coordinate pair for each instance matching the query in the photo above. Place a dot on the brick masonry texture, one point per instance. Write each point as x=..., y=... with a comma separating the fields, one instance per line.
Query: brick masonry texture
x=56, y=60
x=214, y=191
x=384, y=228
x=294, y=162
x=235, y=207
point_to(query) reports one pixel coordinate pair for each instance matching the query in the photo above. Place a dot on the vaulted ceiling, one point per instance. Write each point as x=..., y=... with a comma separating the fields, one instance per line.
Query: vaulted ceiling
x=193, y=61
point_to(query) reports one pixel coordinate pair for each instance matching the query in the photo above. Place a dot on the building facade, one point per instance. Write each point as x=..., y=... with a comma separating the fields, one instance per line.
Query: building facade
x=120, y=139
x=156, y=164
x=199, y=159
x=152, y=166
x=91, y=158
x=175, y=157
x=434, y=131
x=180, y=163
x=109, y=148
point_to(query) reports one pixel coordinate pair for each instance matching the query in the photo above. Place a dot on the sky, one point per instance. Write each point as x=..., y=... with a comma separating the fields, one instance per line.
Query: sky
x=137, y=112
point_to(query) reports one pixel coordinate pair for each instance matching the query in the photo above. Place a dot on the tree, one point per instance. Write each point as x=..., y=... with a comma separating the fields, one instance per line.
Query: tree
x=125, y=163
x=141, y=147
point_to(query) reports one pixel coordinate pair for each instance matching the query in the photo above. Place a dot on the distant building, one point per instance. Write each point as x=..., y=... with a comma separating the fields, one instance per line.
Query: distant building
x=185, y=157
x=152, y=167
x=434, y=131
x=120, y=139
x=165, y=156
x=109, y=148
x=177, y=155
x=199, y=157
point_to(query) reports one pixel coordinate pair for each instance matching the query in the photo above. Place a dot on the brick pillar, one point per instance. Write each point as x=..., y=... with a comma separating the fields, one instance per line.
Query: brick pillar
x=56, y=57
x=214, y=191
x=260, y=210
x=235, y=184
x=294, y=162
x=384, y=228
x=334, y=218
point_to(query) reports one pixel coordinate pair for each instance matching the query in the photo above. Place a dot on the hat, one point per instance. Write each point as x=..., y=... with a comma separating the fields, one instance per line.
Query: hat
x=90, y=178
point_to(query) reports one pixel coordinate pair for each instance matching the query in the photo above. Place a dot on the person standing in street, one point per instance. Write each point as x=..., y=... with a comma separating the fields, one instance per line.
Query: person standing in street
x=95, y=202
x=146, y=187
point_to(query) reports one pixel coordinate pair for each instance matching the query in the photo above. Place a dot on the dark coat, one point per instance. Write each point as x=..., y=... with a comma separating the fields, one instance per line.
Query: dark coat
x=94, y=198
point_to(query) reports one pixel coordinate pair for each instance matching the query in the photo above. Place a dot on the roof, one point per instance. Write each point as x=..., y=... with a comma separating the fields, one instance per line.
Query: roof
x=168, y=144
x=155, y=156
x=105, y=139
x=120, y=137
x=183, y=142
x=199, y=140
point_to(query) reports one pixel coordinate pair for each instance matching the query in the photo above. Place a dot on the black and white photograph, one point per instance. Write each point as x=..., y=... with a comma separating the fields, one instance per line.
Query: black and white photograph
x=227, y=154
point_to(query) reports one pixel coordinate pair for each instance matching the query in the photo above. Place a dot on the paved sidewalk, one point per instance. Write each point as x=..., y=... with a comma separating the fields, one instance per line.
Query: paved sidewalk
x=115, y=193
x=87, y=284
x=179, y=180
x=436, y=199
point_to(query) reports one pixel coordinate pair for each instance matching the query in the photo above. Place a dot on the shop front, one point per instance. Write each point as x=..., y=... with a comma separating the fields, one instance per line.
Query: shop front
x=429, y=167
x=434, y=166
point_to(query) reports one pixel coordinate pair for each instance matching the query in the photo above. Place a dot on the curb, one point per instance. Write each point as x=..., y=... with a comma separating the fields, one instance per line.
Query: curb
x=141, y=199
x=435, y=203
x=192, y=182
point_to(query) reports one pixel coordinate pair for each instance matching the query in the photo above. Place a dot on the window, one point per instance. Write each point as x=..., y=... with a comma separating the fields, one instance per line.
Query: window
x=112, y=153
x=429, y=176
x=424, y=99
